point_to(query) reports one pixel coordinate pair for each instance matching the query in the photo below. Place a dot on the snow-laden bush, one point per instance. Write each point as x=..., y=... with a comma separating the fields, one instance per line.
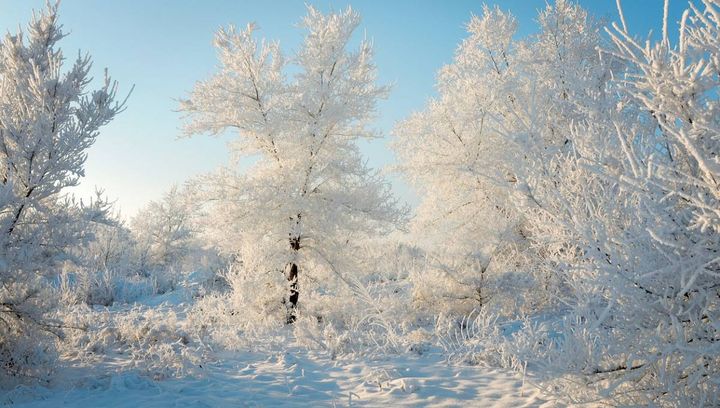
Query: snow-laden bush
x=362, y=313
x=456, y=284
x=107, y=270
x=102, y=266
x=164, y=231
x=170, y=240
x=153, y=341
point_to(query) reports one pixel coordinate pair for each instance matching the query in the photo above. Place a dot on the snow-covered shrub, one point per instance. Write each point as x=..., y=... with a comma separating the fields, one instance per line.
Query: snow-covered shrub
x=102, y=266
x=48, y=120
x=365, y=312
x=112, y=248
x=170, y=240
x=104, y=269
x=457, y=284
x=155, y=256
x=154, y=341
x=164, y=230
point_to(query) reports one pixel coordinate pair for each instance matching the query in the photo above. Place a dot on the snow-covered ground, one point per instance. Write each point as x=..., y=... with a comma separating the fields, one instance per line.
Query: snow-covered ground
x=290, y=377
x=301, y=379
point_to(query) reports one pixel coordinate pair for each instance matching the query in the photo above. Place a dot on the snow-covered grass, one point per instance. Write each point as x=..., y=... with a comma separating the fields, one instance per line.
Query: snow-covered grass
x=155, y=353
x=297, y=377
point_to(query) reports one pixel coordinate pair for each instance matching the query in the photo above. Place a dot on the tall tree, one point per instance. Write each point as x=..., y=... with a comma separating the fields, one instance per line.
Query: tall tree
x=478, y=151
x=48, y=120
x=310, y=194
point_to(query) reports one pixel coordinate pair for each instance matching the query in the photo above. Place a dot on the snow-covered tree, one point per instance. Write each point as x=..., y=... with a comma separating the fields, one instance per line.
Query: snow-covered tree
x=503, y=117
x=171, y=239
x=606, y=164
x=164, y=230
x=630, y=223
x=300, y=209
x=48, y=120
x=610, y=150
x=450, y=150
x=655, y=280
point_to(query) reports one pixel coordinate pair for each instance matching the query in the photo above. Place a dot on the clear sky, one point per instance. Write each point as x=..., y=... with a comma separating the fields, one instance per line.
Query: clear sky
x=164, y=46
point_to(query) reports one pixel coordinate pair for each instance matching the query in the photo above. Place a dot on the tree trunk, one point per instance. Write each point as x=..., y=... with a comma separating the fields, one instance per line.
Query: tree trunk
x=291, y=274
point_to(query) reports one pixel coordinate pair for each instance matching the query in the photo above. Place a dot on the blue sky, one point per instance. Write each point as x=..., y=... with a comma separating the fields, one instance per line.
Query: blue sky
x=163, y=46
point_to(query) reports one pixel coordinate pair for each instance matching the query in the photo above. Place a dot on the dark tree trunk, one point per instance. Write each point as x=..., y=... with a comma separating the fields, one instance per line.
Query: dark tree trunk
x=291, y=274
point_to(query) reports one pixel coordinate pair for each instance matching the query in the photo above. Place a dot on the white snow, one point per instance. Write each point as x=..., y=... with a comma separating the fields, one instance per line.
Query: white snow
x=298, y=378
